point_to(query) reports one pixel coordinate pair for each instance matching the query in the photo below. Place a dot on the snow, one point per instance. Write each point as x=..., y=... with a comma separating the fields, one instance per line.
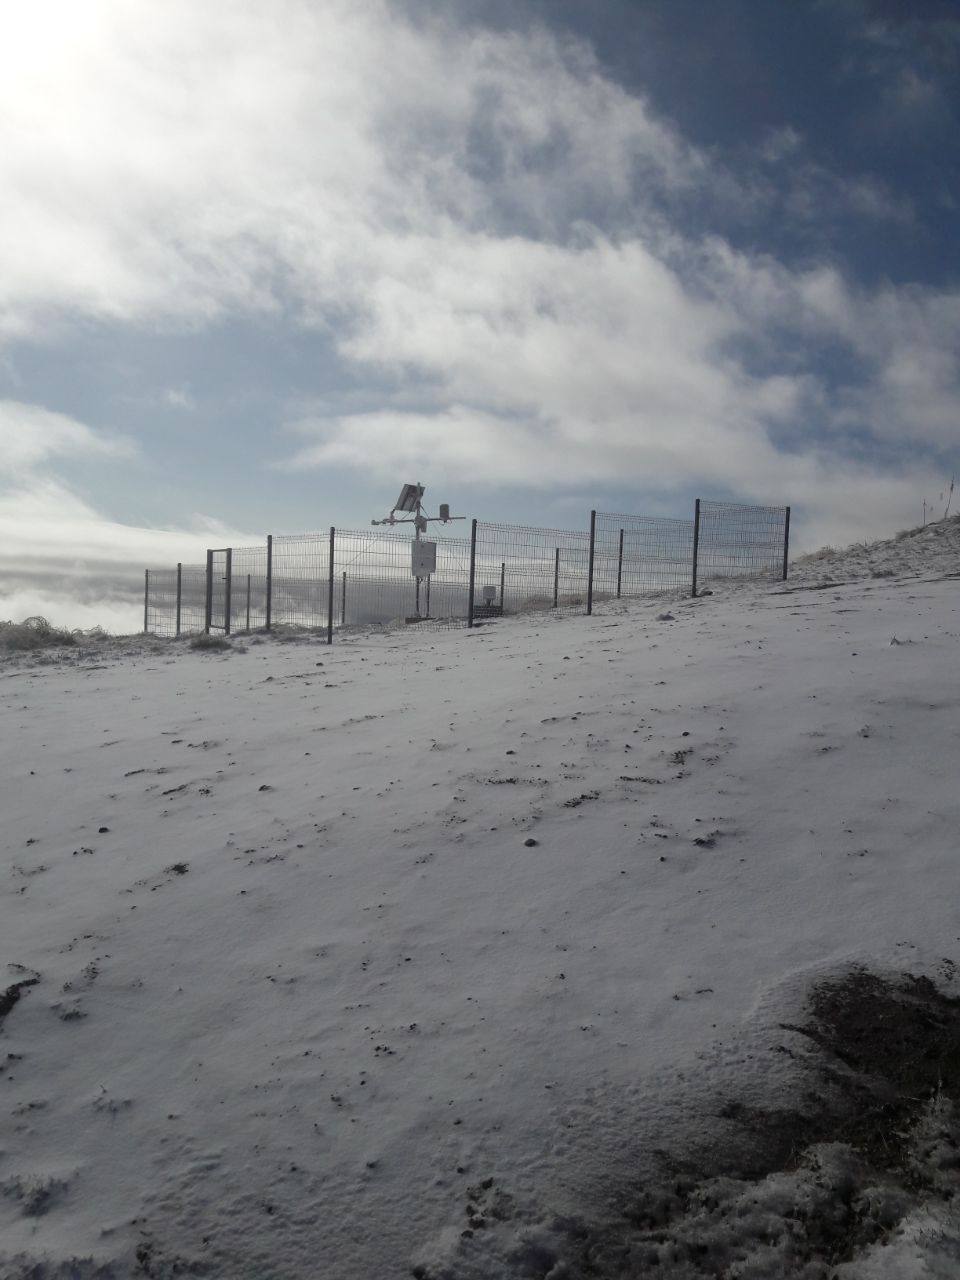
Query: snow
x=304, y=988
x=927, y=550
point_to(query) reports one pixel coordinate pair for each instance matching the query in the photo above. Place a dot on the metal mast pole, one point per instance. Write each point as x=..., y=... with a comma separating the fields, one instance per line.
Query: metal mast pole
x=416, y=538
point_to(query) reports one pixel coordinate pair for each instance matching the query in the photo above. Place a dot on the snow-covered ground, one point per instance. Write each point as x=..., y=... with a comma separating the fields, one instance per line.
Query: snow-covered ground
x=336, y=954
x=928, y=549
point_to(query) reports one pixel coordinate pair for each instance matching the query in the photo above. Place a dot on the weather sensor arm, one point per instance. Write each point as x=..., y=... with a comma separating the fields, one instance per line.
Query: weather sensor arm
x=411, y=502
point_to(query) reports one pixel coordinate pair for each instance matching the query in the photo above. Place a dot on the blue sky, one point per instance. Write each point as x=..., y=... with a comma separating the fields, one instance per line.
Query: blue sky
x=263, y=261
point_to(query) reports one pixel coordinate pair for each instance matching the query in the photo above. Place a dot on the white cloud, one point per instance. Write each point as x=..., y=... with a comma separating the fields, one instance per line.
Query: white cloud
x=40, y=519
x=188, y=159
x=485, y=215
x=62, y=558
x=31, y=435
x=179, y=398
x=59, y=556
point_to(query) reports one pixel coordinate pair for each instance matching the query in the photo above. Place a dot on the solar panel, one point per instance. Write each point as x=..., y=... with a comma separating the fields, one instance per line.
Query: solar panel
x=410, y=495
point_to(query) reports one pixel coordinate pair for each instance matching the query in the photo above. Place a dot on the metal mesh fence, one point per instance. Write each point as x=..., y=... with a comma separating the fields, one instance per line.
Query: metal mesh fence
x=193, y=599
x=248, y=588
x=374, y=581
x=218, y=596
x=160, y=614
x=640, y=555
x=171, y=611
x=301, y=573
x=366, y=576
x=521, y=570
x=737, y=541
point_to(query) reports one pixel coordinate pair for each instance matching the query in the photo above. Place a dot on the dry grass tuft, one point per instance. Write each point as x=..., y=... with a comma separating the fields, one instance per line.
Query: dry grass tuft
x=31, y=634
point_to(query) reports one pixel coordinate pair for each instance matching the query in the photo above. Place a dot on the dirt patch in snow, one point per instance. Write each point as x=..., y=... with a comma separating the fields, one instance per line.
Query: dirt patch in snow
x=890, y=1045
x=818, y=1188
x=10, y=997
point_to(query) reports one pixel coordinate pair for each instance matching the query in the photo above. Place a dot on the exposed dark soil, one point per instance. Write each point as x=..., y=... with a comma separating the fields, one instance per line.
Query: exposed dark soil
x=797, y=1190
x=885, y=1050
x=889, y=1046
x=12, y=994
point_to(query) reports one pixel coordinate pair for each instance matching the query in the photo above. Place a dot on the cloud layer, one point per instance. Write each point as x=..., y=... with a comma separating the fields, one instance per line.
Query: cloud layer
x=528, y=254
x=31, y=435
x=61, y=558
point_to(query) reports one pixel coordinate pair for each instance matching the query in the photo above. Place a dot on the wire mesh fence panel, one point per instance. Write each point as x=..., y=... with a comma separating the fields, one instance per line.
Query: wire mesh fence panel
x=374, y=581
x=738, y=541
x=301, y=573
x=640, y=555
x=218, y=590
x=193, y=599
x=248, y=588
x=522, y=570
x=162, y=612
x=373, y=577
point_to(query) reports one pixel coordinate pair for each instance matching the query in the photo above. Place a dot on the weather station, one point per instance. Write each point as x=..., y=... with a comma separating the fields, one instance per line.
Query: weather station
x=423, y=551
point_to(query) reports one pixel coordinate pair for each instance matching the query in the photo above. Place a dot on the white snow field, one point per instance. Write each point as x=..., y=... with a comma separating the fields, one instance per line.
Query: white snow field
x=320, y=958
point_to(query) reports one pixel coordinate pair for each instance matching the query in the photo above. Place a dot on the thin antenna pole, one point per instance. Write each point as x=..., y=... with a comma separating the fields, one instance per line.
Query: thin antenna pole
x=593, y=537
x=228, y=594
x=473, y=570
x=208, y=618
x=416, y=538
x=786, y=542
x=330, y=589
x=269, y=580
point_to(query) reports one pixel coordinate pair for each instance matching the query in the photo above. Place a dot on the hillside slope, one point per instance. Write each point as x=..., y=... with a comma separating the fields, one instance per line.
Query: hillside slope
x=319, y=959
x=926, y=551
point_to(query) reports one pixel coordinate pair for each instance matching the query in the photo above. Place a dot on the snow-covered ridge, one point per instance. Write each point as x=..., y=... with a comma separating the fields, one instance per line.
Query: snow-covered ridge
x=931, y=548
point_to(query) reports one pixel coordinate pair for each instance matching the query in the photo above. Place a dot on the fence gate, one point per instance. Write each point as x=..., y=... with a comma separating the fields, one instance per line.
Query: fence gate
x=219, y=583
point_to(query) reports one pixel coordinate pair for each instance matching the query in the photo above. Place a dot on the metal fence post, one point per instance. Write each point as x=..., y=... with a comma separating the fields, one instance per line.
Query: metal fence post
x=620, y=565
x=556, y=578
x=473, y=571
x=269, y=580
x=179, y=594
x=228, y=593
x=503, y=579
x=786, y=542
x=429, y=580
x=146, y=598
x=696, y=543
x=208, y=610
x=333, y=534
x=343, y=600
x=248, y=602
x=593, y=540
